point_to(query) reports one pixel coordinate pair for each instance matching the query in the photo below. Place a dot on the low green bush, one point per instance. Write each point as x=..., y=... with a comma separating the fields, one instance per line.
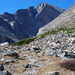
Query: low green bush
x=24, y=41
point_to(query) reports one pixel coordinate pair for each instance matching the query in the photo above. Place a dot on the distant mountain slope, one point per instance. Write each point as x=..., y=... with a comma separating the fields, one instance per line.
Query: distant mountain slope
x=26, y=22
x=6, y=32
x=67, y=18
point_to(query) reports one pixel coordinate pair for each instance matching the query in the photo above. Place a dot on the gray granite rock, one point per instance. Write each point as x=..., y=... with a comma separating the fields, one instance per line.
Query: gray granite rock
x=4, y=44
x=39, y=64
x=52, y=73
x=9, y=61
x=12, y=53
x=27, y=65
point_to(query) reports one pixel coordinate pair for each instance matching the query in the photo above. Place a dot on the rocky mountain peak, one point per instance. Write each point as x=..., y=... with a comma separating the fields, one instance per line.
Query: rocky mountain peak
x=58, y=9
x=31, y=9
x=25, y=23
x=20, y=11
x=71, y=8
x=6, y=13
x=42, y=5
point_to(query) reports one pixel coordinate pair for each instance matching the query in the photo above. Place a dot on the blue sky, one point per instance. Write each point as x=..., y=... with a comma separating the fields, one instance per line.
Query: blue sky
x=12, y=6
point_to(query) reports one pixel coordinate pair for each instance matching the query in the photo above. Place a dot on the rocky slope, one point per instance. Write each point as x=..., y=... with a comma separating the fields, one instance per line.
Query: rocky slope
x=40, y=57
x=67, y=19
x=43, y=55
x=26, y=22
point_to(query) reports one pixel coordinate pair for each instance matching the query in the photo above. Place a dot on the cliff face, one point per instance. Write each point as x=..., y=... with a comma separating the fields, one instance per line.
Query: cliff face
x=6, y=32
x=26, y=22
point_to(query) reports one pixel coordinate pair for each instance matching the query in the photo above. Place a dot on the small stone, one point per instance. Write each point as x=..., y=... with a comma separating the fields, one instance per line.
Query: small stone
x=27, y=65
x=9, y=61
x=52, y=73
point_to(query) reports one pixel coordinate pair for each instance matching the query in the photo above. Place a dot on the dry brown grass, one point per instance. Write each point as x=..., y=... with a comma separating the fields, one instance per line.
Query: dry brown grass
x=51, y=65
x=1, y=62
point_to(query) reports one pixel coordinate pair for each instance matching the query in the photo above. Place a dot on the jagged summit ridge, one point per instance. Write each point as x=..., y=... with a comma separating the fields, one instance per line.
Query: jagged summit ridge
x=42, y=5
x=57, y=8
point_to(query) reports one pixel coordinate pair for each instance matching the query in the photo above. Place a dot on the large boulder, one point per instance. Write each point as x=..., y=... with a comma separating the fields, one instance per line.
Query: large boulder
x=12, y=53
x=4, y=44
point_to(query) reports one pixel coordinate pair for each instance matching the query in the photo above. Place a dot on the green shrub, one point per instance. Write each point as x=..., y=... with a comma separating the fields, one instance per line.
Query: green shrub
x=24, y=41
x=66, y=29
x=73, y=36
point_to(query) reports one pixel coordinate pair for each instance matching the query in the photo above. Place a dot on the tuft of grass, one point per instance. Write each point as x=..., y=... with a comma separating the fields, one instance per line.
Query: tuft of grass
x=68, y=64
x=66, y=29
x=50, y=32
x=73, y=36
x=69, y=30
x=1, y=62
x=24, y=41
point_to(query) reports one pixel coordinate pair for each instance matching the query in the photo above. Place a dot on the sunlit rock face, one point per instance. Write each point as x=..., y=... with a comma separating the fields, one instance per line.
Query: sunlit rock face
x=25, y=23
